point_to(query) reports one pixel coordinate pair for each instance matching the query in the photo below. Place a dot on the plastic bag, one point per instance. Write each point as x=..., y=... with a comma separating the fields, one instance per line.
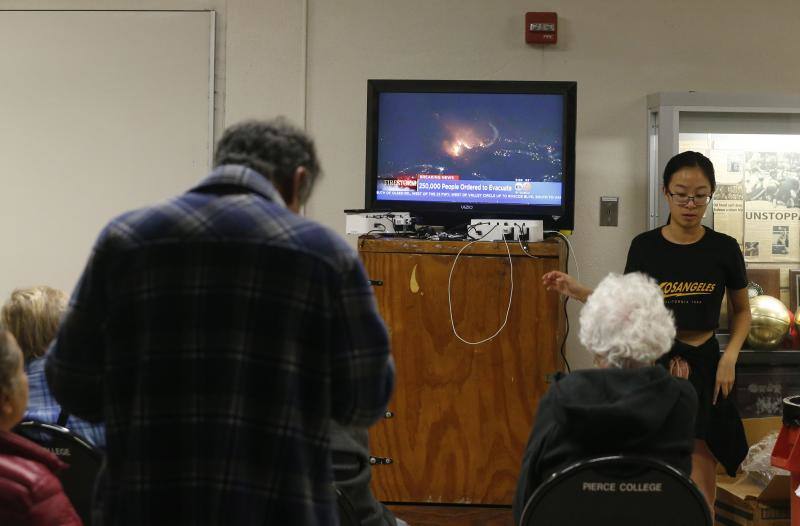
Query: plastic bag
x=757, y=462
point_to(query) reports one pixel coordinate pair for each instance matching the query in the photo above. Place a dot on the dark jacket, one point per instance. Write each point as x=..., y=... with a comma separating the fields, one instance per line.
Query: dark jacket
x=352, y=474
x=598, y=412
x=30, y=493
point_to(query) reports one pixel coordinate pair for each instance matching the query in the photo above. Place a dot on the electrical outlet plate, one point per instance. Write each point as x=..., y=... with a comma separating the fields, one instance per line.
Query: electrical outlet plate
x=499, y=229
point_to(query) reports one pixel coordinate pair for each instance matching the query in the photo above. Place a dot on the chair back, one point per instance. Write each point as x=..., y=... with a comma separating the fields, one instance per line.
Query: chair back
x=83, y=459
x=619, y=490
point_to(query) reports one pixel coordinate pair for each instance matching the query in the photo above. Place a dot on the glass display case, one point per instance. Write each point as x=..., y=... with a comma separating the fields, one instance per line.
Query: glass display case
x=754, y=143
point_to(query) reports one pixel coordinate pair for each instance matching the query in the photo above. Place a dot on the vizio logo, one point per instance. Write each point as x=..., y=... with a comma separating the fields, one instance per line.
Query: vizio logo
x=467, y=207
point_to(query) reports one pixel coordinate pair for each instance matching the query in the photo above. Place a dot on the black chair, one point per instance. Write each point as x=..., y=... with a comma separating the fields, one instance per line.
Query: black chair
x=84, y=461
x=618, y=491
x=347, y=512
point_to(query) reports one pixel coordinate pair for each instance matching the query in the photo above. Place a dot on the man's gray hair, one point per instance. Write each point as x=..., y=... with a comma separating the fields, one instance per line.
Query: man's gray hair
x=274, y=148
x=625, y=322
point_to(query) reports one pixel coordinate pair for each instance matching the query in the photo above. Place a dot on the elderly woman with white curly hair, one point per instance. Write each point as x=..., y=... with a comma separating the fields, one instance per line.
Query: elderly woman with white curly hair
x=627, y=404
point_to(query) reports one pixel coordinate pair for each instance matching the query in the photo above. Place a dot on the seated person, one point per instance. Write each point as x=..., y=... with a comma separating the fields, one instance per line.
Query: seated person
x=33, y=315
x=30, y=493
x=626, y=405
x=352, y=474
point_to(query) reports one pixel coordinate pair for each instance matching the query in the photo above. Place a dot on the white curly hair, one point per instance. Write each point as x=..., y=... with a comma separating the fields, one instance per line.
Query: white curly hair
x=625, y=323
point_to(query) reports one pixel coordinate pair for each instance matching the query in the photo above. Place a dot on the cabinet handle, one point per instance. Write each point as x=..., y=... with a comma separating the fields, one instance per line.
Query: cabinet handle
x=388, y=414
x=376, y=282
x=380, y=460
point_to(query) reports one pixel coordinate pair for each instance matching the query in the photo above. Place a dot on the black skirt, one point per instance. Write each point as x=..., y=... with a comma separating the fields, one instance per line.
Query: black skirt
x=718, y=424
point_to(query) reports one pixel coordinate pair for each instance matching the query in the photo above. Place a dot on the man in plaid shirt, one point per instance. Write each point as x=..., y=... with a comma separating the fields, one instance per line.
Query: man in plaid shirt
x=216, y=335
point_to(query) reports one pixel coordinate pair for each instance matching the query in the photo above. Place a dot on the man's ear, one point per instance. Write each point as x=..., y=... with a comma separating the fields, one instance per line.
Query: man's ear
x=298, y=185
x=299, y=181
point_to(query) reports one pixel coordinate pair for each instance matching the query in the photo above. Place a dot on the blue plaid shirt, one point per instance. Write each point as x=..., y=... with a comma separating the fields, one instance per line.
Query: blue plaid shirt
x=42, y=407
x=216, y=335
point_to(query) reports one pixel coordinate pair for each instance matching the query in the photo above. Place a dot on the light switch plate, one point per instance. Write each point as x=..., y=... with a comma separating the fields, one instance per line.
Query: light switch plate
x=609, y=209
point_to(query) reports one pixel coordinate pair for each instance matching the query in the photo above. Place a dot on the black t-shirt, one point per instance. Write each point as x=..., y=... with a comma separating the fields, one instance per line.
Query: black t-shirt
x=692, y=277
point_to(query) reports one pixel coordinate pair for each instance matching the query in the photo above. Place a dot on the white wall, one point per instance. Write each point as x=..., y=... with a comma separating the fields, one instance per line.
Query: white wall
x=310, y=59
x=103, y=111
x=265, y=59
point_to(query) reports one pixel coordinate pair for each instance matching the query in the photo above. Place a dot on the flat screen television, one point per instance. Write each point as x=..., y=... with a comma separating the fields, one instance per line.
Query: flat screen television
x=449, y=151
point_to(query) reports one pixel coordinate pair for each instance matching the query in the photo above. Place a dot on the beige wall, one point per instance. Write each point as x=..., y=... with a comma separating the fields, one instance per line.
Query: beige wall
x=310, y=59
x=90, y=128
x=259, y=55
x=265, y=59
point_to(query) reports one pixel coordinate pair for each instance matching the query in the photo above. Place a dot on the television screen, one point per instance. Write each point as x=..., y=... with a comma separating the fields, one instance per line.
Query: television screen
x=450, y=151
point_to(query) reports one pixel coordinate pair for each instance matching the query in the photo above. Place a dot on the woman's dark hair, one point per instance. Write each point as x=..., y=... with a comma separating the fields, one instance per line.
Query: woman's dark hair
x=690, y=159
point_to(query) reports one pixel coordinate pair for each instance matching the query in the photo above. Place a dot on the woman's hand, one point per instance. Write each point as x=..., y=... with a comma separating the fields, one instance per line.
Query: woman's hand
x=726, y=374
x=566, y=285
x=679, y=368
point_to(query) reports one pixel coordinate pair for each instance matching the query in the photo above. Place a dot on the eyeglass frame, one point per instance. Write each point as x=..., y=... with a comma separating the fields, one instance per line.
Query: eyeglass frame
x=692, y=198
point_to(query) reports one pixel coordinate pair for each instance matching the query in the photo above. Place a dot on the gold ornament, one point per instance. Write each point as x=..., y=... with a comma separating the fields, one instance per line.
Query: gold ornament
x=770, y=322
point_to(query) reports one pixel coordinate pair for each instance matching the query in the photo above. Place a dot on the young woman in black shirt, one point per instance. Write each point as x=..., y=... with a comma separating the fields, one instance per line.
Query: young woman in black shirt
x=694, y=265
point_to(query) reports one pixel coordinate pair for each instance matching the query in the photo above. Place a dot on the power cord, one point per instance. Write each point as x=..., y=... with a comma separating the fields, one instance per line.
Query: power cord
x=564, y=341
x=510, y=296
x=475, y=227
x=569, y=249
x=524, y=246
x=566, y=298
x=381, y=230
x=526, y=250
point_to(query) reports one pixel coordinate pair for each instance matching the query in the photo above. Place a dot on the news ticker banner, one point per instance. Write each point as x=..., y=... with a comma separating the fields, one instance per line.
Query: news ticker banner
x=453, y=189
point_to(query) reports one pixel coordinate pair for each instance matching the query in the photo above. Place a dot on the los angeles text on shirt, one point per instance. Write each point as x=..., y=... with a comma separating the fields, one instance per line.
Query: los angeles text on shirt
x=686, y=288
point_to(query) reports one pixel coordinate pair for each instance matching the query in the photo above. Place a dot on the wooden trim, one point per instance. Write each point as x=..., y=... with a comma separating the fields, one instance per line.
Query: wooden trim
x=550, y=248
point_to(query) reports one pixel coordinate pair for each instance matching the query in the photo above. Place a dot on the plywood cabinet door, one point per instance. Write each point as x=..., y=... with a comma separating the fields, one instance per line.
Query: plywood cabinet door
x=461, y=414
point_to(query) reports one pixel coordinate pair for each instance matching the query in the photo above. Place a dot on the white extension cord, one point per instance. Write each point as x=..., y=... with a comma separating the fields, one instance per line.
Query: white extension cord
x=510, y=296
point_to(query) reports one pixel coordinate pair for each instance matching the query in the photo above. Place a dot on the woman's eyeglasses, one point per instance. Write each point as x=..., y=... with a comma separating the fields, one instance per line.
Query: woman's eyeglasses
x=683, y=199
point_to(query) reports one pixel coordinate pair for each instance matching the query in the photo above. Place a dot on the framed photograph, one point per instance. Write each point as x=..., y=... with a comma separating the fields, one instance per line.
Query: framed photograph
x=794, y=289
x=751, y=249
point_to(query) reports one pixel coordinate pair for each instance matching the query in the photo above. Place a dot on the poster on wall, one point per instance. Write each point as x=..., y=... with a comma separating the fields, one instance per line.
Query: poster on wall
x=728, y=206
x=757, y=200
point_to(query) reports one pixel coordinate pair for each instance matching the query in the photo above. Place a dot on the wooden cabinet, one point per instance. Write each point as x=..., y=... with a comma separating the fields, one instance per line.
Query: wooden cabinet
x=461, y=414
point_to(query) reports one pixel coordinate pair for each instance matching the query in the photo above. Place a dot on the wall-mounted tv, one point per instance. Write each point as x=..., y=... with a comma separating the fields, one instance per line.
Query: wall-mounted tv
x=450, y=150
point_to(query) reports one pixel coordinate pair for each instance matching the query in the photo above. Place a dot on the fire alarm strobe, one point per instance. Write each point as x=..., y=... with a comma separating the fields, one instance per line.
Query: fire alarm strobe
x=541, y=28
